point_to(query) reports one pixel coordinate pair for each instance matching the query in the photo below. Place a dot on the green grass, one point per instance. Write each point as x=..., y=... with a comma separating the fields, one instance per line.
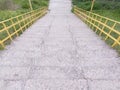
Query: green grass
x=103, y=7
x=24, y=4
x=113, y=14
x=6, y=14
x=20, y=6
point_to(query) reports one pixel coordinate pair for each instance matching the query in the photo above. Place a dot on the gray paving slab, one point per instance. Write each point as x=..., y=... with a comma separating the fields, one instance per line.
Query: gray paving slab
x=14, y=73
x=57, y=72
x=56, y=84
x=104, y=85
x=59, y=52
x=102, y=73
x=11, y=85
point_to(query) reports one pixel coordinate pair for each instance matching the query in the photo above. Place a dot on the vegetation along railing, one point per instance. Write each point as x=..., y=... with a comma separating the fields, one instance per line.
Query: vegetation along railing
x=13, y=27
x=107, y=28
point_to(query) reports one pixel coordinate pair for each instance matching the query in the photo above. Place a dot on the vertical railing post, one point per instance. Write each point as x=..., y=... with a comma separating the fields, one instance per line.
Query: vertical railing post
x=30, y=5
x=19, y=24
x=6, y=29
x=2, y=44
x=94, y=22
x=98, y=24
x=115, y=43
x=103, y=27
x=14, y=27
x=92, y=19
x=93, y=2
x=110, y=30
x=24, y=21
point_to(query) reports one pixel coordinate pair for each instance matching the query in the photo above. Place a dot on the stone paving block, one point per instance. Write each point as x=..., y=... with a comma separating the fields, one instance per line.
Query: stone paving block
x=15, y=61
x=27, y=54
x=45, y=21
x=14, y=73
x=12, y=85
x=96, y=62
x=56, y=84
x=53, y=50
x=107, y=73
x=104, y=85
x=23, y=49
x=98, y=53
x=57, y=72
x=54, y=61
x=2, y=84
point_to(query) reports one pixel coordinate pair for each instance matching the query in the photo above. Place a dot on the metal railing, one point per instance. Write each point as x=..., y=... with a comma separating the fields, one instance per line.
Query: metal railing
x=107, y=28
x=13, y=27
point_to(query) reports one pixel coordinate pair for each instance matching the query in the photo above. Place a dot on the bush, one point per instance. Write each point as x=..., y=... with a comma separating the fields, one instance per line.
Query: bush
x=8, y=4
x=25, y=6
x=99, y=4
x=21, y=4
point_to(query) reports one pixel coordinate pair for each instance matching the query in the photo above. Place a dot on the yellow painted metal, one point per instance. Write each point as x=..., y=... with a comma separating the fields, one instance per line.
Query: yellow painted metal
x=103, y=27
x=30, y=5
x=19, y=24
x=1, y=43
x=95, y=17
x=110, y=30
x=7, y=30
x=101, y=24
x=93, y=1
x=115, y=43
x=14, y=27
x=98, y=24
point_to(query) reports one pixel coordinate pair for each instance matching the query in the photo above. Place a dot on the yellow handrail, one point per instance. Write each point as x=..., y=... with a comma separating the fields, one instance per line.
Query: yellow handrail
x=110, y=28
x=12, y=27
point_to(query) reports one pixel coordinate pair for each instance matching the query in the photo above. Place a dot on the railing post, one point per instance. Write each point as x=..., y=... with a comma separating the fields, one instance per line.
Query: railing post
x=115, y=43
x=30, y=5
x=2, y=44
x=5, y=27
x=19, y=24
x=93, y=1
x=110, y=30
x=99, y=24
x=24, y=22
x=32, y=17
x=103, y=27
x=14, y=27
x=94, y=22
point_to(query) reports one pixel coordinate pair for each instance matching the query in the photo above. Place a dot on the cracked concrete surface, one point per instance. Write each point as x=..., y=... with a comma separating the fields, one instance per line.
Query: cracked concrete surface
x=59, y=52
